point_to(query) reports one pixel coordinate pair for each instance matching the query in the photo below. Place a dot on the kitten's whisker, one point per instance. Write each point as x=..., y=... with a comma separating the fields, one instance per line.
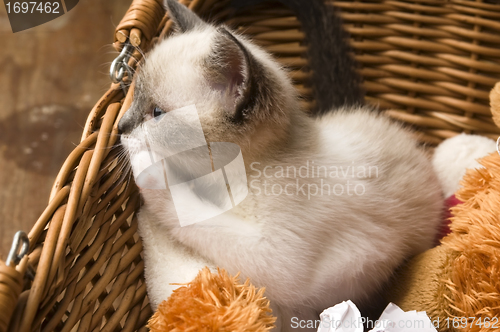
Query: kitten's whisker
x=128, y=180
x=119, y=180
x=124, y=161
x=125, y=172
x=140, y=51
x=119, y=158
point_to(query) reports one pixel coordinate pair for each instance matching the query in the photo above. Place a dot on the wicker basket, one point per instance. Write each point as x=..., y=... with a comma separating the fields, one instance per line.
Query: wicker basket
x=431, y=62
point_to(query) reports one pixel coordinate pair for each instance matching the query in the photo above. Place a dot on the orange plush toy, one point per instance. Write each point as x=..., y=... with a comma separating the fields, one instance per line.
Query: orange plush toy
x=214, y=302
x=458, y=282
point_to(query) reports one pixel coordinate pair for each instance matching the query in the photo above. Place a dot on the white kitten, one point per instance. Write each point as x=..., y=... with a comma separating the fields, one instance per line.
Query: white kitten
x=336, y=203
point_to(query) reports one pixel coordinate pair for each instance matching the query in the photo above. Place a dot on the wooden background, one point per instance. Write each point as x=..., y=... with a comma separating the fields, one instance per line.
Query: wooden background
x=50, y=77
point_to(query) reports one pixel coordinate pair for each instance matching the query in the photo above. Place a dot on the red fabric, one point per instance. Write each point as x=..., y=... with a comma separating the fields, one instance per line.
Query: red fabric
x=445, y=226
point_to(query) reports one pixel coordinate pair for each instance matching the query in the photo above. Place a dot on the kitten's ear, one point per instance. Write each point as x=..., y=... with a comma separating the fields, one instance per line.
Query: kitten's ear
x=230, y=71
x=183, y=17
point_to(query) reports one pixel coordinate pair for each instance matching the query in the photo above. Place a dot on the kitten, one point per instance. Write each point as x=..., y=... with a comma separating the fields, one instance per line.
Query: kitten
x=336, y=202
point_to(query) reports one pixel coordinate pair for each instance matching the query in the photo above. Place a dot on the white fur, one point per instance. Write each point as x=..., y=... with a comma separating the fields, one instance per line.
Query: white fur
x=309, y=251
x=457, y=154
x=168, y=261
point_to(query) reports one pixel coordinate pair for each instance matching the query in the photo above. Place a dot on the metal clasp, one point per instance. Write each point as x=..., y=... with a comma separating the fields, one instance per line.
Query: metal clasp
x=20, y=248
x=120, y=65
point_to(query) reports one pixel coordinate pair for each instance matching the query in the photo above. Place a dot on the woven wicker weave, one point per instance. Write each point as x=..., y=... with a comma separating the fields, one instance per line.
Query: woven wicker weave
x=432, y=63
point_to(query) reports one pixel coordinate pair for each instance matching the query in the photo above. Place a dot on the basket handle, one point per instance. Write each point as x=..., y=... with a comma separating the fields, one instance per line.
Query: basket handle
x=140, y=23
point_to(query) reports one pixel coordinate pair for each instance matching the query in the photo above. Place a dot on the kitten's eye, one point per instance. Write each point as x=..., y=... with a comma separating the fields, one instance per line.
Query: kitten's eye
x=157, y=112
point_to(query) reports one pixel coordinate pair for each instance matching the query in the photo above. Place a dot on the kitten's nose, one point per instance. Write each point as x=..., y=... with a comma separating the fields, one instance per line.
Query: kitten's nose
x=123, y=126
x=128, y=122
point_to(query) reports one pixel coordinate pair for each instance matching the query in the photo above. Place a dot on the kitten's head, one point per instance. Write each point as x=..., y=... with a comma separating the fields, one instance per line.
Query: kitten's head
x=241, y=95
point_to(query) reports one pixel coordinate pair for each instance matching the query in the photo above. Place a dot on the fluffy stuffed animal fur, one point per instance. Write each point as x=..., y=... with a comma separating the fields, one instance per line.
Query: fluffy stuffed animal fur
x=214, y=302
x=461, y=277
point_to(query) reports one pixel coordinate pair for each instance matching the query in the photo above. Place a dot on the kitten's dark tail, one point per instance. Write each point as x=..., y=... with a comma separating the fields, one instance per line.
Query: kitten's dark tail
x=335, y=78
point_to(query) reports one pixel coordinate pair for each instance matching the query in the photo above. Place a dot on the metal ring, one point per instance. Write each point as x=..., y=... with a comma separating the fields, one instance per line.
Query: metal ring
x=120, y=64
x=498, y=145
x=20, y=248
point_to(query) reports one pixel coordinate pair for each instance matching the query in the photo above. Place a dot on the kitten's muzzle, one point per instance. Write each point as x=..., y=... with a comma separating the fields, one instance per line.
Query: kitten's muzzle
x=128, y=122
